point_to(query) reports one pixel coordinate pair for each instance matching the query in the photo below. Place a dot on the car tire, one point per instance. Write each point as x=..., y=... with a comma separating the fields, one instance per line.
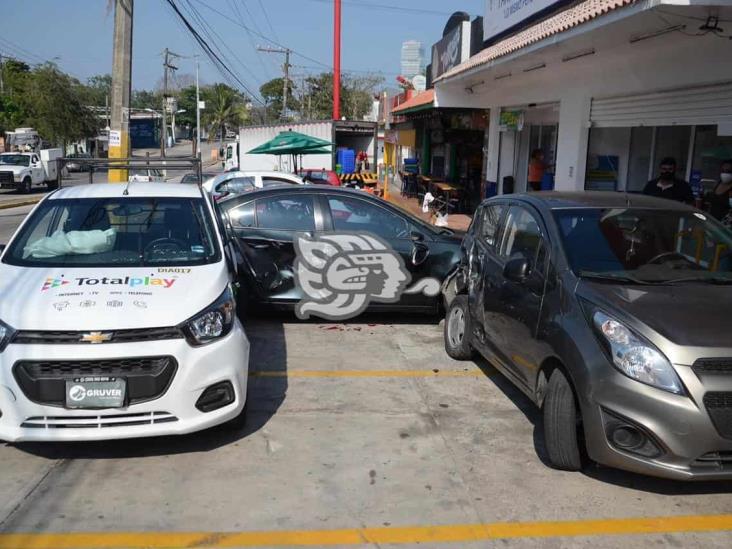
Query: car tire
x=25, y=186
x=561, y=424
x=457, y=329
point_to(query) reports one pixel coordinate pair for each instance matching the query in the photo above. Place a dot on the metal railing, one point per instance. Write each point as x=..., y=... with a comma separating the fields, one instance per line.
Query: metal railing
x=98, y=165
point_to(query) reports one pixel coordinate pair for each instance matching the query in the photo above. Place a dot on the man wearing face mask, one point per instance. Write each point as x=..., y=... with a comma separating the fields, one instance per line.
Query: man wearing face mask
x=667, y=185
x=720, y=199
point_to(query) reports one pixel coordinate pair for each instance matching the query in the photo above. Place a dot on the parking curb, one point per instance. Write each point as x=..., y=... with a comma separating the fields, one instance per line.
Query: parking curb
x=29, y=202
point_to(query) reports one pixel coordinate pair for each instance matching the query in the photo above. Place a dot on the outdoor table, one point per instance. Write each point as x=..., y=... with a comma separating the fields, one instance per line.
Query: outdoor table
x=446, y=189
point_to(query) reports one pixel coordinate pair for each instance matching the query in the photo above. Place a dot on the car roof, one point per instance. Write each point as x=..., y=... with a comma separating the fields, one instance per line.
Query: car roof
x=556, y=200
x=135, y=189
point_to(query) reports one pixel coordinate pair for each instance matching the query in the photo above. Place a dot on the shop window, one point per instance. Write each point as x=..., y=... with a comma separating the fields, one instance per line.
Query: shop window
x=673, y=141
x=639, y=164
x=607, y=159
x=710, y=150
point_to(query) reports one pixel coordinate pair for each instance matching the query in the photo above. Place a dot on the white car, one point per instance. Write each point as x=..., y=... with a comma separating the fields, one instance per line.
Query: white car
x=233, y=183
x=117, y=317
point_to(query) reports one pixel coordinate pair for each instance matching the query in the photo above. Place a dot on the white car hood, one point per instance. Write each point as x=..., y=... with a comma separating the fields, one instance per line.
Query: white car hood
x=14, y=169
x=106, y=298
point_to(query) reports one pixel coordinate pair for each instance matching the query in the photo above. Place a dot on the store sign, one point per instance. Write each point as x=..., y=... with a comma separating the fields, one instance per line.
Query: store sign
x=452, y=50
x=501, y=15
x=511, y=120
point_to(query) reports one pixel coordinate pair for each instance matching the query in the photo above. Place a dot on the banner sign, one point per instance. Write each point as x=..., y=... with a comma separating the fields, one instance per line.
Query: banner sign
x=453, y=49
x=511, y=120
x=501, y=15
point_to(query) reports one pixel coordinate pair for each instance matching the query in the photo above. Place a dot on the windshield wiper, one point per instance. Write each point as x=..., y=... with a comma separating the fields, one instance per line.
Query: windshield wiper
x=710, y=280
x=607, y=277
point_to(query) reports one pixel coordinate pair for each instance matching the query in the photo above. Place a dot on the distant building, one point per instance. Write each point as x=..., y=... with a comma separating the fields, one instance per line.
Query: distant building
x=412, y=58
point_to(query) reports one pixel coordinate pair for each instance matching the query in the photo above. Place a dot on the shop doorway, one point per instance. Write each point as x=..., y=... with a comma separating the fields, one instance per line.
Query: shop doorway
x=528, y=148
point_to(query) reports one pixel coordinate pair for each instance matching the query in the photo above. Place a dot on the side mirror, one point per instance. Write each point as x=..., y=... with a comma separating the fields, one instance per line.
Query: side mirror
x=516, y=270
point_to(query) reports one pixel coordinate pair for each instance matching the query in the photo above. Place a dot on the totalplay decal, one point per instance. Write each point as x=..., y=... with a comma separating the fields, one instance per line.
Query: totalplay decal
x=131, y=281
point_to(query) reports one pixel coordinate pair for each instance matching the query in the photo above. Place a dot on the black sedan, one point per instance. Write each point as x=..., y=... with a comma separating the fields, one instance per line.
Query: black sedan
x=264, y=222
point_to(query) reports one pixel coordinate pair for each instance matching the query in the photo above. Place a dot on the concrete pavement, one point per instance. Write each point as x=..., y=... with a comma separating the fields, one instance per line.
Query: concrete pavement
x=376, y=439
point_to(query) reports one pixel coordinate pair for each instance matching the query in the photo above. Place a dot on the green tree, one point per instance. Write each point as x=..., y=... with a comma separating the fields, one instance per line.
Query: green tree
x=272, y=94
x=187, y=102
x=98, y=90
x=13, y=103
x=226, y=108
x=145, y=99
x=356, y=96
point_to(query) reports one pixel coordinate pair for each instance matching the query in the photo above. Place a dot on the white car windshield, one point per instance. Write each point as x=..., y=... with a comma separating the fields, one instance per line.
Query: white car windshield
x=15, y=159
x=108, y=232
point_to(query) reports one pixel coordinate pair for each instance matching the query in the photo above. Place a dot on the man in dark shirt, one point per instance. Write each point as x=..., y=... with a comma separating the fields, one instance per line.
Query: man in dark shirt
x=667, y=185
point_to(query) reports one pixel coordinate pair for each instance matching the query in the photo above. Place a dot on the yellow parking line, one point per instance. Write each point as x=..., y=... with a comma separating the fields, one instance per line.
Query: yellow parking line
x=368, y=373
x=359, y=536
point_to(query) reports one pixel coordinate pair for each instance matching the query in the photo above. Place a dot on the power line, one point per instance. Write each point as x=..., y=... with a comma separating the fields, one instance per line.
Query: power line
x=204, y=24
x=266, y=16
x=273, y=42
x=265, y=71
x=210, y=53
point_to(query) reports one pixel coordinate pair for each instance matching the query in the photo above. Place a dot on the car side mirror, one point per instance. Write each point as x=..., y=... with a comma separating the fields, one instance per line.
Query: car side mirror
x=516, y=270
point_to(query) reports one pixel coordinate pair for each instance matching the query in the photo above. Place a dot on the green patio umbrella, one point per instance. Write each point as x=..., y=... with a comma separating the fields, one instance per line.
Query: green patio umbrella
x=294, y=143
x=290, y=142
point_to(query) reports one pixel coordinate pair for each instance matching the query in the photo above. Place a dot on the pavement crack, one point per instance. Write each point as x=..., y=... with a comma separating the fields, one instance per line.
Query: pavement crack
x=56, y=466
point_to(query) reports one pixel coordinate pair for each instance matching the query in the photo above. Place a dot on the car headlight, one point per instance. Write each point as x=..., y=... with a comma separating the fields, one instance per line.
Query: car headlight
x=6, y=334
x=635, y=357
x=213, y=323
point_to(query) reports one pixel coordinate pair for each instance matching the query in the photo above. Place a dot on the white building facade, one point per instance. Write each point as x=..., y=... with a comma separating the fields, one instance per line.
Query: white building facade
x=604, y=88
x=412, y=60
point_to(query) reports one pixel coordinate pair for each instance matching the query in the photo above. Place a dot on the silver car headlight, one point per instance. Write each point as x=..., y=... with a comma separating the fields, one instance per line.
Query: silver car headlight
x=635, y=357
x=213, y=323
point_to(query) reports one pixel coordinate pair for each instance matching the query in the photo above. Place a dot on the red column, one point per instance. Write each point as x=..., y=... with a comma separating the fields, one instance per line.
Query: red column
x=337, y=62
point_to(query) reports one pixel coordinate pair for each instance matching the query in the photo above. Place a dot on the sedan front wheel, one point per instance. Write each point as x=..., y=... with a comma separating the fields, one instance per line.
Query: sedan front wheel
x=457, y=329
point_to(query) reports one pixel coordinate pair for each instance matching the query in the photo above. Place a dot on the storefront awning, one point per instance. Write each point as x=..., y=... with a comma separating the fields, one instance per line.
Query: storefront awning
x=563, y=21
x=420, y=102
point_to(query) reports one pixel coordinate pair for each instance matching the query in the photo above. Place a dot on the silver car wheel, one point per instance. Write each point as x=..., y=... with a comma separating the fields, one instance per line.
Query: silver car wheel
x=456, y=327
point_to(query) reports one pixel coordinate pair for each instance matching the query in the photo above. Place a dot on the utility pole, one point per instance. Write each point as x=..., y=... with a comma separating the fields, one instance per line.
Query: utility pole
x=119, y=136
x=167, y=55
x=286, y=70
x=198, y=113
x=337, y=61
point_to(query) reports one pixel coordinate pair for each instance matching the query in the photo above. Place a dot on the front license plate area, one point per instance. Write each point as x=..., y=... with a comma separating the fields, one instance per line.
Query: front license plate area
x=95, y=392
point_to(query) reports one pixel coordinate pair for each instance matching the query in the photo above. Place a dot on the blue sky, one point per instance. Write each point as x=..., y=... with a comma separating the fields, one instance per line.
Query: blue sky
x=78, y=34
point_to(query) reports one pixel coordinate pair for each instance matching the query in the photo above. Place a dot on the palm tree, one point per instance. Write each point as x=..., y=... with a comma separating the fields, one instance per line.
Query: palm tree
x=225, y=107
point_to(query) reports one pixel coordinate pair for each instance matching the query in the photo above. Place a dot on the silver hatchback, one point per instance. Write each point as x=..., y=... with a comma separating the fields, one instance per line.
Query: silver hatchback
x=613, y=313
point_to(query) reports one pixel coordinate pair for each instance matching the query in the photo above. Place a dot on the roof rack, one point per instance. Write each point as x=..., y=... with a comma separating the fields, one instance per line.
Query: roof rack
x=191, y=163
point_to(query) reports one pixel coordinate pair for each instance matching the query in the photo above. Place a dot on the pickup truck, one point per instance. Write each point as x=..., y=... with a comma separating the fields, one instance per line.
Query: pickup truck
x=24, y=170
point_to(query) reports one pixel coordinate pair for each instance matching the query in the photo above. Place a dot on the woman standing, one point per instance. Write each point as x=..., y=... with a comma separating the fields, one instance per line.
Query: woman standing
x=720, y=199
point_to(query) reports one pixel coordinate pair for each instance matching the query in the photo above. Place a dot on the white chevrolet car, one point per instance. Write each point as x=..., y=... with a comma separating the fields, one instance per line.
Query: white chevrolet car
x=117, y=317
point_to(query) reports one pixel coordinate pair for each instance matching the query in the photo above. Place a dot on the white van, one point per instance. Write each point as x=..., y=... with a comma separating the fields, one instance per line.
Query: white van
x=117, y=317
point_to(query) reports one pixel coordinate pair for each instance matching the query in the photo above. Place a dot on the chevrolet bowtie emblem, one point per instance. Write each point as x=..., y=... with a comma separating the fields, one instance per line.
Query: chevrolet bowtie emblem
x=96, y=337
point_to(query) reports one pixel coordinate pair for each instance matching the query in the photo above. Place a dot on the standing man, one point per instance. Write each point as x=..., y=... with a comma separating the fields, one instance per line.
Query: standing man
x=667, y=185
